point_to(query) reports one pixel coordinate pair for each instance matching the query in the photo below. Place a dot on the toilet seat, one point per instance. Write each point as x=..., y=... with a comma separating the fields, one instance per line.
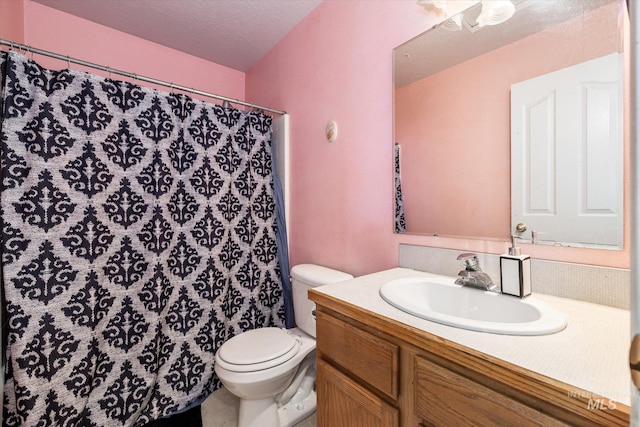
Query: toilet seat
x=257, y=349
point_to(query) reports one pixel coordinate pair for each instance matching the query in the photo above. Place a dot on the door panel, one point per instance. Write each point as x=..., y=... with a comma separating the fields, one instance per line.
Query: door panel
x=567, y=163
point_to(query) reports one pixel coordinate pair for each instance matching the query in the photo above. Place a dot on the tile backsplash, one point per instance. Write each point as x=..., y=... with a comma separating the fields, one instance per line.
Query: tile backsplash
x=595, y=284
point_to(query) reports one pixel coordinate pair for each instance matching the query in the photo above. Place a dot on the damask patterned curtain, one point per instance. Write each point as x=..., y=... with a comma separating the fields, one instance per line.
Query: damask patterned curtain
x=400, y=223
x=138, y=234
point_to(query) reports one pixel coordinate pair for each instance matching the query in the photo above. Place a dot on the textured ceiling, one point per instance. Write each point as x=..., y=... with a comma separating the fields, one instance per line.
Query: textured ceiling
x=233, y=33
x=439, y=49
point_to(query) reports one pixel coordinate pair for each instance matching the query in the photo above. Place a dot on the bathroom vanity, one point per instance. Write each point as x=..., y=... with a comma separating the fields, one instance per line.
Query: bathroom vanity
x=380, y=366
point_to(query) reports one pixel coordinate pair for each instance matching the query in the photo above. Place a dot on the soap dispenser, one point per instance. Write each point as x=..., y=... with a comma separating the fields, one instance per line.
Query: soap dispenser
x=515, y=272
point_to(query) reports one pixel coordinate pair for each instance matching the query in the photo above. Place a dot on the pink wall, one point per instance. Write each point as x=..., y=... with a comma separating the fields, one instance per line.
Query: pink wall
x=11, y=23
x=453, y=129
x=40, y=26
x=463, y=113
x=337, y=64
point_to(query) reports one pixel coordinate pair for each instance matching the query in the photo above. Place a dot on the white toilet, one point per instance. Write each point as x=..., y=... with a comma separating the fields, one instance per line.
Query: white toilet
x=272, y=370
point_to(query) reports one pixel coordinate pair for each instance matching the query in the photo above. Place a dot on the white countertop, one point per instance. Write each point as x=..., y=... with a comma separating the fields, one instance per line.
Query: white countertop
x=590, y=353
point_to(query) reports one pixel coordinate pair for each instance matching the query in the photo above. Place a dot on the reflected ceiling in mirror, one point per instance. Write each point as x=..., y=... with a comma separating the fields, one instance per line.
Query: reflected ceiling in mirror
x=442, y=47
x=452, y=107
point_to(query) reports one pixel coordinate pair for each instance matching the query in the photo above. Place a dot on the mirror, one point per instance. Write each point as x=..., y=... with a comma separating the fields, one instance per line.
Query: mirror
x=453, y=126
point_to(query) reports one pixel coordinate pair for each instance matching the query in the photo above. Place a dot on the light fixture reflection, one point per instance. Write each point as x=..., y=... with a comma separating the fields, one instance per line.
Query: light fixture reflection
x=439, y=7
x=495, y=12
x=453, y=24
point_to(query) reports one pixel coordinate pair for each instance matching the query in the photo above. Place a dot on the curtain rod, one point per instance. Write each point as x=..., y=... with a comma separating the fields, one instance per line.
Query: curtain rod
x=134, y=76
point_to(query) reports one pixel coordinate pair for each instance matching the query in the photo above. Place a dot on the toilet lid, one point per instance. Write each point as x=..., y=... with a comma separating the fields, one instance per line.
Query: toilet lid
x=258, y=346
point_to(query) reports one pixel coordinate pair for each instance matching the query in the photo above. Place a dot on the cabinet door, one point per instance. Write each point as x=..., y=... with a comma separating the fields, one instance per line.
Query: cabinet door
x=343, y=402
x=364, y=356
x=444, y=398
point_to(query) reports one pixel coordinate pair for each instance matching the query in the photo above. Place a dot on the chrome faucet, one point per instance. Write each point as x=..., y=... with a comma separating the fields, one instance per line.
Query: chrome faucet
x=472, y=275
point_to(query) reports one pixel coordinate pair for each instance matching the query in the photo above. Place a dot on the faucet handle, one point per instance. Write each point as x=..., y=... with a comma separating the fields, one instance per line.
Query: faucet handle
x=470, y=260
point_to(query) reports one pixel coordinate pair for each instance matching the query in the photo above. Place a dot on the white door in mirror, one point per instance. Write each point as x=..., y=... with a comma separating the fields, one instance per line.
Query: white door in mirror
x=567, y=161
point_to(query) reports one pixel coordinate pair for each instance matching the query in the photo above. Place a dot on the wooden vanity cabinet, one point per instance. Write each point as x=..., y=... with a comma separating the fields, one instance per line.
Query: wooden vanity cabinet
x=373, y=371
x=357, y=375
x=348, y=403
x=445, y=398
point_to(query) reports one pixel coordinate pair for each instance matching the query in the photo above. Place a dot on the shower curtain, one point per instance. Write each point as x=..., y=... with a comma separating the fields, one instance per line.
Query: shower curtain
x=138, y=234
x=400, y=223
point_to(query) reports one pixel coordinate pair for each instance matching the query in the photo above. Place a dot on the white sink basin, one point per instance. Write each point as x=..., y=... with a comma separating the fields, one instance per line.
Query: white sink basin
x=442, y=301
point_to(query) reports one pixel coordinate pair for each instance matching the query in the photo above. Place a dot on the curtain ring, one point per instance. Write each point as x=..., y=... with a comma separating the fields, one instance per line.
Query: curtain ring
x=109, y=71
x=68, y=63
x=171, y=87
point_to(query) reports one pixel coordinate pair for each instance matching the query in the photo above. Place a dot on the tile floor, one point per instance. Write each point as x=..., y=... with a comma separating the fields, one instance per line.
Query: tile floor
x=221, y=410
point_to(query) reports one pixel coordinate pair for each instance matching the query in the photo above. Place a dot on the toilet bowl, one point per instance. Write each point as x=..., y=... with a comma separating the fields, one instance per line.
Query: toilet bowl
x=272, y=370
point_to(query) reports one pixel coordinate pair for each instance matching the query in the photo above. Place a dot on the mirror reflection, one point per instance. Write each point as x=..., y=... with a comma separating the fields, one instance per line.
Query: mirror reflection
x=496, y=136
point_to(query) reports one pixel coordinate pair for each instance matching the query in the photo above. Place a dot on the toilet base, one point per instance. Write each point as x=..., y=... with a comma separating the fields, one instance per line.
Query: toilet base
x=265, y=412
x=292, y=413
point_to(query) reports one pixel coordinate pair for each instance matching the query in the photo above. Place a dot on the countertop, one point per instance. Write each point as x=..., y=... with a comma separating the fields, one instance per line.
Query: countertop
x=591, y=353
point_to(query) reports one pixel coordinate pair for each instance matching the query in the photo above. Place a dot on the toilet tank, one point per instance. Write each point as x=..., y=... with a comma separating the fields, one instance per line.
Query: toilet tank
x=303, y=278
